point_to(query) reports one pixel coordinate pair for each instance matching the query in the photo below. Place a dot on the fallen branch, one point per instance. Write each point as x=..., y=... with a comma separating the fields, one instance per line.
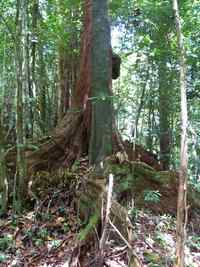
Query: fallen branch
x=108, y=208
x=136, y=260
x=102, y=242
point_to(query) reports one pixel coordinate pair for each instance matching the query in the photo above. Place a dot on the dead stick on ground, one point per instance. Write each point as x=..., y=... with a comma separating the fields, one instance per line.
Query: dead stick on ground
x=102, y=242
x=127, y=243
x=108, y=208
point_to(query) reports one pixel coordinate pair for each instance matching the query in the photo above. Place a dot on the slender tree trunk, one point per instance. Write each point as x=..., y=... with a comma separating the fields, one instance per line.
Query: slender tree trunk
x=21, y=74
x=64, y=81
x=3, y=135
x=35, y=14
x=182, y=194
x=42, y=93
x=34, y=41
x=3, y=171
x=141, y=105
x=149, y=139
x=164, y=111
x=29, y=93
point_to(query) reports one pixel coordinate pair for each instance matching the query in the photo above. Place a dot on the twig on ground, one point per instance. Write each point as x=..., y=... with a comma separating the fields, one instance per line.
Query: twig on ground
x=102, y=242
x=108, y=208
x=126, y=242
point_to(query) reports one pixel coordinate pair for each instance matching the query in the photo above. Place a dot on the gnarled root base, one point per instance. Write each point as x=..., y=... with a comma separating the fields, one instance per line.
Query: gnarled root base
x=62, y=148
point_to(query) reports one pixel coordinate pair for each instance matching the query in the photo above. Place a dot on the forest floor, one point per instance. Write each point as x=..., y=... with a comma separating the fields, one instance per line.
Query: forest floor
x=47, y=235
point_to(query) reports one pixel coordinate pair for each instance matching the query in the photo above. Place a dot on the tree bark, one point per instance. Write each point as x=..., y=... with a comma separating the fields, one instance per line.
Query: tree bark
x=20, y=56
x=182, y=194
x=164, y=113
x=101, y=68
x=33, y=44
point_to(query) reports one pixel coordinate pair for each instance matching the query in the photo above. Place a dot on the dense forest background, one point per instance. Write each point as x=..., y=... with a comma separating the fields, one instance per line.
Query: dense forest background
x=92, y=90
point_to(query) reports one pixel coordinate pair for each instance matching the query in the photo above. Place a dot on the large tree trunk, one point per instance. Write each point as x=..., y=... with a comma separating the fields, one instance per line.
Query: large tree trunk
x=101, y=127
x=71, y=137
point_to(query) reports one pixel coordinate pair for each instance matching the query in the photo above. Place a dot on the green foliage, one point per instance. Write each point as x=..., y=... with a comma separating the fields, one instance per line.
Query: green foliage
x=75, y=165
x=3, y=257
x=44, y=216
x=39, y=242
x=152, y=196
x=195, y=184
x=194, y=242
x=6, y=242
x=65, y=227
x=134, y=212
x=166, y=223
x=43, y=233
x=53, y=244
x=152, y=258
x=38, y=237
x=94, y=219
